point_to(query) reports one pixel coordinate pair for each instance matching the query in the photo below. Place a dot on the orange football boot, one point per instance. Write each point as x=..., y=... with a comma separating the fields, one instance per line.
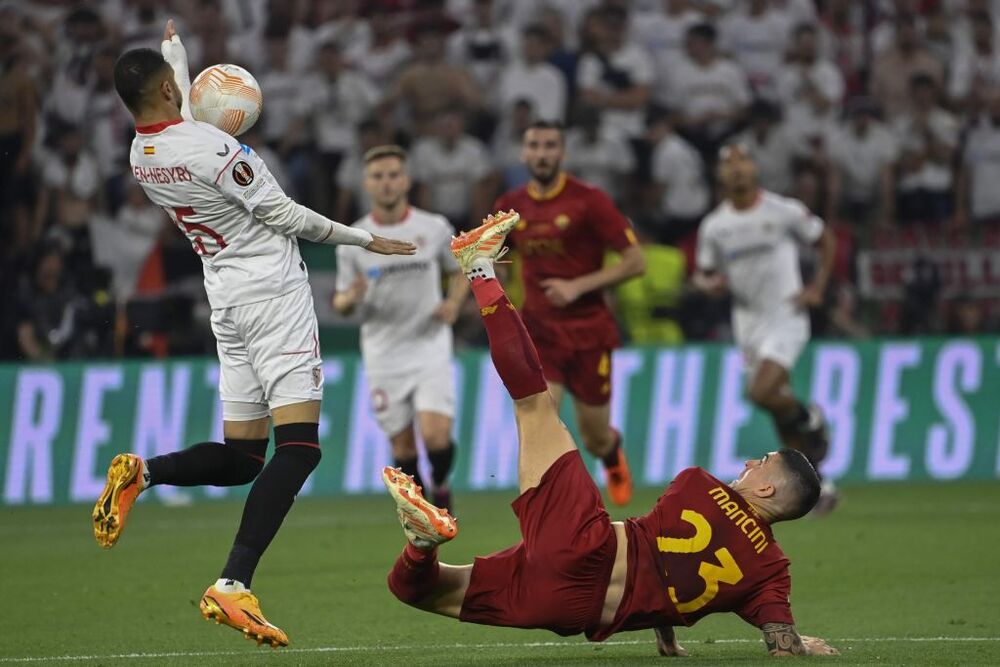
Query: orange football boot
x=485, y=240
x=619, y=479
x=241, y=611
x=424, y=524
x=122, y=488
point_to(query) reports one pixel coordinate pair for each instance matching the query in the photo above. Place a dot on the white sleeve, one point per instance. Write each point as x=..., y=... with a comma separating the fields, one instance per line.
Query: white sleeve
x=288, y=218
x=176, y=56
x=588, y=73
x=445, y=255
x=803, y=223
x=707, y=252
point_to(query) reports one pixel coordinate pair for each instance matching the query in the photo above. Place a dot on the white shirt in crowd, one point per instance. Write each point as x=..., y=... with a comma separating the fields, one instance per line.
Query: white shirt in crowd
x=678, y=167
x=336, y=108
x=602, y=163
x=972, y=72
x=399, y=333
x=283, y=91
x=452, y=174
x=720, y=87
x=861, y=158
x=982, y=159
x=773, y=155
x=758, y=44
x=81, y=177
x=542, y=84
x=351, y=175
x=629, y=66
x=802, y=117
x=484, y=52
x=932, y=175
x=379, y=66
x=757, y=250
x=663, y=36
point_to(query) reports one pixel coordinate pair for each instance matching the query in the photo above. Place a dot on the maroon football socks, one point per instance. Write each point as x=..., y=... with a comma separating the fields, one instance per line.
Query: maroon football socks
x=514, y=354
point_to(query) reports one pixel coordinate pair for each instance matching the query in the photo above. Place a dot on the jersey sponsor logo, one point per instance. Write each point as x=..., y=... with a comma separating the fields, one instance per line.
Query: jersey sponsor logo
x=748, y=251
x=562, y=221
x=149, y=150
x=162, y=175
x=392, y=269
x=242, y=173
x=224, y=152
x=247, y=194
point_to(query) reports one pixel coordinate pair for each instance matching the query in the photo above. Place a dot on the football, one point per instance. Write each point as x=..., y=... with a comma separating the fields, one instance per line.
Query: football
x=228, y=97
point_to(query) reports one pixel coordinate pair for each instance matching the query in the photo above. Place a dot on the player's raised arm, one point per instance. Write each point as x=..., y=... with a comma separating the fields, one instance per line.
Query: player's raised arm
x=176, y=56
x=781, y=639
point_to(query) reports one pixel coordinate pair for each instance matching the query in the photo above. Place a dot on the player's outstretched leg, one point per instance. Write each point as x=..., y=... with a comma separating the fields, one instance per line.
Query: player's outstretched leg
x=543, y=437
x=233, y=464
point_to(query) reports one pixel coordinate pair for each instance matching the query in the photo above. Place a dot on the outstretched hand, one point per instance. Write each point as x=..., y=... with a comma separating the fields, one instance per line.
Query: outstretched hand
x=383, y=246
x=169, y=31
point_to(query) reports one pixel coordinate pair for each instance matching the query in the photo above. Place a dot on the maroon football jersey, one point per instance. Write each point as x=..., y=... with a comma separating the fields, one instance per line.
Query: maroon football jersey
x=702, y=550
x=565, y=234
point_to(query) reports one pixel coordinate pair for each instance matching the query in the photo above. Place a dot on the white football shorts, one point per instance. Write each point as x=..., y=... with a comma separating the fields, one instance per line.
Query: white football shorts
x=396, y=399
x=780, y=340
x=268, y=355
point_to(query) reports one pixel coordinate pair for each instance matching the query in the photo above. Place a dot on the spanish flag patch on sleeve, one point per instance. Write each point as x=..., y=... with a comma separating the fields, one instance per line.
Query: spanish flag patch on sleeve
x=149, y=150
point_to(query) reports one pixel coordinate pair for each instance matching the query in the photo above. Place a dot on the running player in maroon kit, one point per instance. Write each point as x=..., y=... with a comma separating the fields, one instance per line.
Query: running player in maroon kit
x=705, y=547
x=566, y=228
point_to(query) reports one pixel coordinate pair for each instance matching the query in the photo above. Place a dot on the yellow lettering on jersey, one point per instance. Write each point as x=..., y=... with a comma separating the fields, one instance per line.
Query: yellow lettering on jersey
x=756, y=536
x=487, y=310
x=630, y=235
x=726, y=572
x=688, y=545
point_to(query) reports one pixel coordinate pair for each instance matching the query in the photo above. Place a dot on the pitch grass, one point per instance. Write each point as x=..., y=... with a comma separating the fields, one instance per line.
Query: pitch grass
x=895, y=561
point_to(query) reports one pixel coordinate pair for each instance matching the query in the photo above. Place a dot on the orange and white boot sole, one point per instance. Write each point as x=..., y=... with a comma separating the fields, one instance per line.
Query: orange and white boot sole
x=116, y=500
x=486, y=240
x=420, y=517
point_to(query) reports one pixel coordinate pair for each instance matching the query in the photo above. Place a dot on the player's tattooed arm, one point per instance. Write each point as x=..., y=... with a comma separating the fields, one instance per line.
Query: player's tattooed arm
x=782, y=639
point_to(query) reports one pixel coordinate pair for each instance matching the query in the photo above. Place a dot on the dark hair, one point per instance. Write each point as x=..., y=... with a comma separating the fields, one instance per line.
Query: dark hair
x=539, y=30
x=379, y=152
x=133, y=72
x=704, y=30
x=803, y=482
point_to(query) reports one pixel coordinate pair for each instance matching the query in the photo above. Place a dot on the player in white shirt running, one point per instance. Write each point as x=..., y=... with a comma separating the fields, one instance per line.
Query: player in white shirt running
x=222, y=197
x=406, y=324
x=749, y=245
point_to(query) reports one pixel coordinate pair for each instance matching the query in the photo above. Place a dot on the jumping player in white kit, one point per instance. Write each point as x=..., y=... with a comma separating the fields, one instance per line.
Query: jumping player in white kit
x=224, y=199
x=406, y=339
x=749, y=245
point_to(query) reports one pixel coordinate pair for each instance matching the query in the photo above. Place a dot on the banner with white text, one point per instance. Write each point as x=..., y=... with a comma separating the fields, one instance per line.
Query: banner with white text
x=907, y=409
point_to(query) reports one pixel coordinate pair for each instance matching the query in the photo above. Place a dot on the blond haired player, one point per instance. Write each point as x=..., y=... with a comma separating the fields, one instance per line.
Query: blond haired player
x=406, y=339
x=244, y=228
x=749, y=245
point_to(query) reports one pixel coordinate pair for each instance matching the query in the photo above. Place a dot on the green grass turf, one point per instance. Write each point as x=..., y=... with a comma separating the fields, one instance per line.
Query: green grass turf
x=894, y=561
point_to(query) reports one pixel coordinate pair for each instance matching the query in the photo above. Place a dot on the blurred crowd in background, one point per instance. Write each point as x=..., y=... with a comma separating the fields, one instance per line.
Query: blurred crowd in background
x=883, y=116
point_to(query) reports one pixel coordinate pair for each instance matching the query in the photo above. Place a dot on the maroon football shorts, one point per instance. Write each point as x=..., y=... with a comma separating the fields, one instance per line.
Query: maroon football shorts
x=586, y=374
x=556, y=578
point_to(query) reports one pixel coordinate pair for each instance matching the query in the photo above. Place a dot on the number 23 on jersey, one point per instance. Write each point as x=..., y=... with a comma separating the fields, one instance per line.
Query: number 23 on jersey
x=723, y=571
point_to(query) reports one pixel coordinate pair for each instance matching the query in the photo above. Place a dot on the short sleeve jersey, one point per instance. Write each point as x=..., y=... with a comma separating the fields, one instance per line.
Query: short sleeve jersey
x=701, y=550
x=209, y=184
x=757, y=250
x=565, y=234
x=399, y=333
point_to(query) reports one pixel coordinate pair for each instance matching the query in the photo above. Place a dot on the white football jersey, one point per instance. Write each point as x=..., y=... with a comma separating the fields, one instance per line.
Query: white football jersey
x=399, y=333
x=757, y=250
x=209, y=184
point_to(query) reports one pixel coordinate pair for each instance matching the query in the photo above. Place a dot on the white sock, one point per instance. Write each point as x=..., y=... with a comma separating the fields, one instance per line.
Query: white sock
x=230, y=586
x=481, y=268
x=143, y=476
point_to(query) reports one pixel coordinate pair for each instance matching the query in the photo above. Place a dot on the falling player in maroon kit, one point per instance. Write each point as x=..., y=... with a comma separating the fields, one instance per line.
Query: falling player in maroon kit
x=566, y=228
x=705, y=547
